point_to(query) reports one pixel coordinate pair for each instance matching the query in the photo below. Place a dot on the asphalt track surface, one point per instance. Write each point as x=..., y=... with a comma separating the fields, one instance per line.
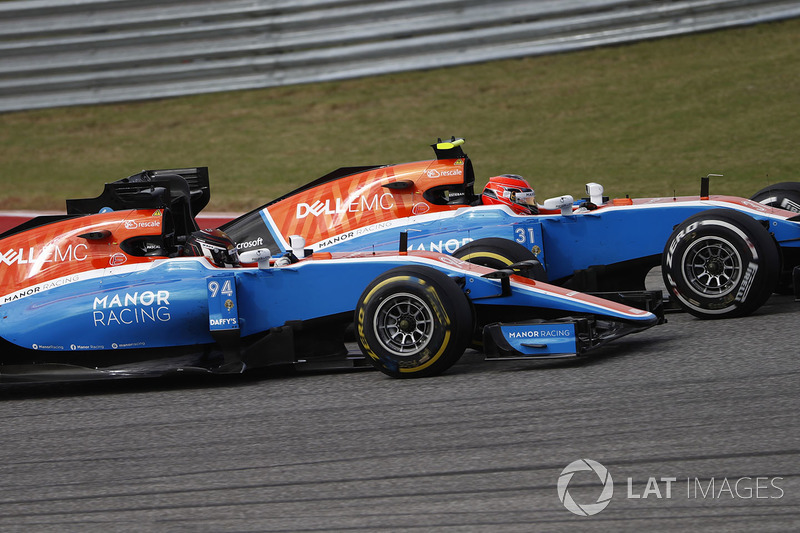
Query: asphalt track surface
x=480, y=448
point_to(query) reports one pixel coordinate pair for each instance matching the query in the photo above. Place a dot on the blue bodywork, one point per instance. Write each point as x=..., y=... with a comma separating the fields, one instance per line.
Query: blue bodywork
x=186, y=307
x=563, y=244
x=126, y=284
x=599, y=244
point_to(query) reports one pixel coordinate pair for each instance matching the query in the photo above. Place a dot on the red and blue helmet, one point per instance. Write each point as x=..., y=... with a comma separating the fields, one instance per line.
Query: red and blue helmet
x=513, y=191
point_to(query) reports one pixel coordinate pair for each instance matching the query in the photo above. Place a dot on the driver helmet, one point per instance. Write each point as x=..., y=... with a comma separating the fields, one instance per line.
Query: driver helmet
x=513, y=191
x=215, y=245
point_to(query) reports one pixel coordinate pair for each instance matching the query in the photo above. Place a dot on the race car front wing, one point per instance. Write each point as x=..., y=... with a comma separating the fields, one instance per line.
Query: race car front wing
x=551, y=339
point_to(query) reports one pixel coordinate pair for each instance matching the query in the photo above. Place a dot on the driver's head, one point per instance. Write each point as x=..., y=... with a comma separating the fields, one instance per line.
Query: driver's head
x=510, y=190
x=213, y=244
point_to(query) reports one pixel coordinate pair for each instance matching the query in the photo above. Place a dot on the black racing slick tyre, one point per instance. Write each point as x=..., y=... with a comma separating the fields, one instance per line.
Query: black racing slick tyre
x=720, y=263
x=413, y=322
x=497, y=253
x=785, y=195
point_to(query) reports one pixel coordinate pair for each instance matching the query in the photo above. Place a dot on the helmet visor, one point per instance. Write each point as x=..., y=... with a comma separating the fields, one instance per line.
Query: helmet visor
x=526, y=198
x=221, y=256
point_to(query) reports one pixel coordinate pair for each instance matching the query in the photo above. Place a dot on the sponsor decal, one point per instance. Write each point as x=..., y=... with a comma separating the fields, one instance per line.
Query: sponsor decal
x=28, y=291
x=542, y=339
x=47, y=347
x=128, y=345
x=540, y=333
x=420, y=209
x=135, y=224
x=433, y=173
x=250, y=244
x=253, y=231
x=442, y=246
x=49, y=254
x=336, y=239
x=222, y=322
x=21, y=294
x=382, y=202
x=128, y=308
x=117, y=259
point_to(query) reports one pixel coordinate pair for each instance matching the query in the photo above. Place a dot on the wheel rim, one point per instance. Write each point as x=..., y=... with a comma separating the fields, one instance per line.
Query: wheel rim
x=712, y=266
x=404, y=324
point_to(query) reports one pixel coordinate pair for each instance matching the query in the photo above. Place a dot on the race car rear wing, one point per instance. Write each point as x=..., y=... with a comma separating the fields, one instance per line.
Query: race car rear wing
x=183, y=191
x=150, y=188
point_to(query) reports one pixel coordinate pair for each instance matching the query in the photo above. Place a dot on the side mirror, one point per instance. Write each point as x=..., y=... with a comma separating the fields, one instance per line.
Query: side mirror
x=595, y=192
x=298, y=245
x=260, y=256
x=564, y=203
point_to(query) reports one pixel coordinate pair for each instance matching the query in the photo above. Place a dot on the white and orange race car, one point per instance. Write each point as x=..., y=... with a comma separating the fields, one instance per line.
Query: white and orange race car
x=126, y=284
x=720, y=256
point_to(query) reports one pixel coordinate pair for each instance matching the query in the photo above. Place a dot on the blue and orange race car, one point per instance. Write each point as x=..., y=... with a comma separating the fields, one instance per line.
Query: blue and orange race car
x=126, y=284
x=720, y=256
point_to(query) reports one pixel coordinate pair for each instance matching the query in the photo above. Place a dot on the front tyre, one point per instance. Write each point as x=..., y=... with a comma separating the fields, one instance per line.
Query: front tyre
x=720, y=264
x=497, y=253
x=413, y=322
x=785, y=195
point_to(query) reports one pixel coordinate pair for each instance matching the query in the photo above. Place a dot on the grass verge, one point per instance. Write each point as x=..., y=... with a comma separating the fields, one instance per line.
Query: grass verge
x=644, y=119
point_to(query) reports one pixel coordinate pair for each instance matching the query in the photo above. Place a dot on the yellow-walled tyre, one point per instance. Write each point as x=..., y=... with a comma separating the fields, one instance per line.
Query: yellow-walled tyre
x=498, y=253
x=413, y=322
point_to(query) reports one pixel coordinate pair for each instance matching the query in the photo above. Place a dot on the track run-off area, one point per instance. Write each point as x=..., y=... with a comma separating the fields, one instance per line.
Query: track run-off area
x=695, y=421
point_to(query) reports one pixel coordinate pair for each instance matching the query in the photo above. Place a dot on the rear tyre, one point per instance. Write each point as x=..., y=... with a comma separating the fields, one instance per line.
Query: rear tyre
x=785, y=195
x=413, y=322
x=497, y=253
x=720, y=264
